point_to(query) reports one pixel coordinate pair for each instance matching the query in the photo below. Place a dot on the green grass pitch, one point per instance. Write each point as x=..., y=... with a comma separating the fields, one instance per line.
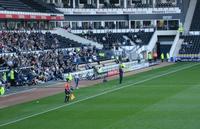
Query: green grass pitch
x=165, y=98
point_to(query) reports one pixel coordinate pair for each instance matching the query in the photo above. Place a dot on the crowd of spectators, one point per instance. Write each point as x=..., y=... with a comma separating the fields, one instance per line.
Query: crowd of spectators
x=37, y=59
x=14, y=42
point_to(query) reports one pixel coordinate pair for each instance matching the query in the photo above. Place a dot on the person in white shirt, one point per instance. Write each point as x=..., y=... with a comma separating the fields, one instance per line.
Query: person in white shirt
x=76, y=79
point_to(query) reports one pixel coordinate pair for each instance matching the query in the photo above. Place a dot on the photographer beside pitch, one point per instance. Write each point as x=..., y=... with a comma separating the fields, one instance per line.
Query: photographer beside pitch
x=68, y=90
x=67, y=87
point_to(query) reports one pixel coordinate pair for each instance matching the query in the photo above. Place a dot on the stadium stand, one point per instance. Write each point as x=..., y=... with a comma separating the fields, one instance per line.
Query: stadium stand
x=14, y=5
x=40, y=6
x=117, y=39
x=63, y=41
x=140, y=38
x=26, y=6
x=195, y=26
x=191, y=45
x=107, y=39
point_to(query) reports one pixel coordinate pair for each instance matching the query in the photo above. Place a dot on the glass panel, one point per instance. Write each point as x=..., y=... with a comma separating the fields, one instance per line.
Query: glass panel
x=138, y=24
x=85, y=25
x=162, y=25
x=101, y=1
x=83, y=1
x=74, y=25
x=133, y=24
x=114, y=1
x=109, y=25
x=97, y=25
x=122, y=25
x=66, y=24
x=146, y=24
x=173, y=24
x=136, y=1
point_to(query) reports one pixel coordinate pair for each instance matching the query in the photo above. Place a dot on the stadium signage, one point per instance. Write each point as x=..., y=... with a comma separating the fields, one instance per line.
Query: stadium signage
x=167, y=17
x=134, y=12
x=29, y=16
x=79, y=12
x=33, y=17
x=111, y=70
x=123, y=12
x=103, y=12
x=8, y=16
x=43, y=17
x=136, y=66
x=113, y=73
x=158, y=12
x=83, y=74
x=21, y=16
x=188, y=59
x=118, y=11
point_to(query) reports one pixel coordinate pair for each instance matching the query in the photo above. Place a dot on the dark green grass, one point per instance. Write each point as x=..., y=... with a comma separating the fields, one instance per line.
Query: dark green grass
x=167, y=102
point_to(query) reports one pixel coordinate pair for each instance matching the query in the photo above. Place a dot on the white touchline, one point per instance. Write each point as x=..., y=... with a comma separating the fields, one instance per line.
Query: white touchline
x=94, y=96
x=19, y=92
x=29, y=90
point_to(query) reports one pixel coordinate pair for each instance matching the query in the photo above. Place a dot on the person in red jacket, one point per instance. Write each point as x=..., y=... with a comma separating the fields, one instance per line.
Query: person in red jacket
x=67, y=91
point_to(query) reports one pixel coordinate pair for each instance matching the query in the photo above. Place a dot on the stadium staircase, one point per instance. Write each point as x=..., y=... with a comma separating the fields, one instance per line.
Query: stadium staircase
x=66, y=34
x=127, y=38
x=176, y=46
x=189, y=15
x=133, y=53
x=151, y=45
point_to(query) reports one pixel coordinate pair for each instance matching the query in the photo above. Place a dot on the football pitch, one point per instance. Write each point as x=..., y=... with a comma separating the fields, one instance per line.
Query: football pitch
x=164, y=98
